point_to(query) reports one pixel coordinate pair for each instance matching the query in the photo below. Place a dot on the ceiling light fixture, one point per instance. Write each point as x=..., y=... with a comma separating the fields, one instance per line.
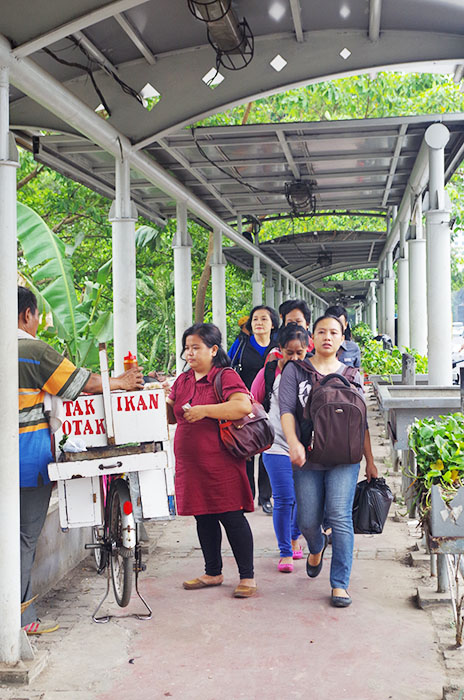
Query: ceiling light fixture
x=300, y=196
x=324, y=259
x=233, y=41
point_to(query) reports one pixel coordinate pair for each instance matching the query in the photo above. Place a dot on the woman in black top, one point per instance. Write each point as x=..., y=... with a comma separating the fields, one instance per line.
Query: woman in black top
x=248, y=354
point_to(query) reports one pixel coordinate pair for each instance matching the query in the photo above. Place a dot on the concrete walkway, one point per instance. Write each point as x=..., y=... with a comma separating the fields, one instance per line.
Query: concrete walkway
x=287, y=642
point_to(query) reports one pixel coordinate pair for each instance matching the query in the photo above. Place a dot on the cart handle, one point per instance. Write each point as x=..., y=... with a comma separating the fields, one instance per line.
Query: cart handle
x=110, y=466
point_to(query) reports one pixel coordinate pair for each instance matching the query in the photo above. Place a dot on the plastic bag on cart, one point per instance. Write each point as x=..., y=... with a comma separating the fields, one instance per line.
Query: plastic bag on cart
x=372, y=501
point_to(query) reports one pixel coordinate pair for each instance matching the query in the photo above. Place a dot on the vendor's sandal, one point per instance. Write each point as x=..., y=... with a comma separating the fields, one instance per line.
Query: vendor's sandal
x=244, y=591
x=41, y=627
x=339, y=601
x=196, y=583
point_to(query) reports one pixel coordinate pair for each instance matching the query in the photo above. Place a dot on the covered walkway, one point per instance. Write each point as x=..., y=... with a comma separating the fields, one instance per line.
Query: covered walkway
x=285, y=643
x=150, y=61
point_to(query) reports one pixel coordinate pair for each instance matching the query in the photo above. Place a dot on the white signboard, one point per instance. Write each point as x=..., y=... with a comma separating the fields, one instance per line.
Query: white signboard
x=138, y=416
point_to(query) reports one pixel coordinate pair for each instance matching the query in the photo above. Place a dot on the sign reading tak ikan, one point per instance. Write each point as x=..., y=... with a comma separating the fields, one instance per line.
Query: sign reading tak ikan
x=138, y=416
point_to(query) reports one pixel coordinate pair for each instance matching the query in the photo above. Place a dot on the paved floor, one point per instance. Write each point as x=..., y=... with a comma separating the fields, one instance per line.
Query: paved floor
x=287, y=642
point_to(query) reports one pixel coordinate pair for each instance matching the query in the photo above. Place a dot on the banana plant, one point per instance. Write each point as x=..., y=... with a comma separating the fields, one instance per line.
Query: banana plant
x=77, y=323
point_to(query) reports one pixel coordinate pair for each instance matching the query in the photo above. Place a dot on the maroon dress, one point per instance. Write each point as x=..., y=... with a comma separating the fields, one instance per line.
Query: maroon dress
x=208, y=478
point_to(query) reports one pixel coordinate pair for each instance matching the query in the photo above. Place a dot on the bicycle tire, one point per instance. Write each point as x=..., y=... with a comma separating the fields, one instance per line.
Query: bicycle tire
x=121, y=561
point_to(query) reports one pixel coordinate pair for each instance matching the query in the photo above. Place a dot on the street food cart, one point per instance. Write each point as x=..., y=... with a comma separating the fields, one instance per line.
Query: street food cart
x=121, y=476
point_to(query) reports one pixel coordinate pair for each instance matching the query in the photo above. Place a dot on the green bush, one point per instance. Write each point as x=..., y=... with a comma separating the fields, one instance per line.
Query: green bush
x=438, y=444
x=362, y=333
x=376, y=360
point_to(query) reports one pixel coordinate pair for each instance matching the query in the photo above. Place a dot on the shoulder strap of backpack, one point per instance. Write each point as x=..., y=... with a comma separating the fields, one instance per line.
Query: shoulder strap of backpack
x=350, y=373
x=269, y=377
x=239, y=353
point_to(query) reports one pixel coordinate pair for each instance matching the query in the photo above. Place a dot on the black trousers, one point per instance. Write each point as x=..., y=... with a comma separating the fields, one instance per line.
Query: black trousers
x=264, y=485
x=238, y=533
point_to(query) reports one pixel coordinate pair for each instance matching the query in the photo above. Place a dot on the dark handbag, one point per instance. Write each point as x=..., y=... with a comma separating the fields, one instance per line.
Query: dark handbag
x=247, y=436
x=372, y=501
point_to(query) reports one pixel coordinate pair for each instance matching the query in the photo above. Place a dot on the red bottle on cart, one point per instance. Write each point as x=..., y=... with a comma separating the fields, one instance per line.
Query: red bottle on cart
x=130, y=361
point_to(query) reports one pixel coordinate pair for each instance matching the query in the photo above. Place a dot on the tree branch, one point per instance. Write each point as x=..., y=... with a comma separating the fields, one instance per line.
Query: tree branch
x=29, y=177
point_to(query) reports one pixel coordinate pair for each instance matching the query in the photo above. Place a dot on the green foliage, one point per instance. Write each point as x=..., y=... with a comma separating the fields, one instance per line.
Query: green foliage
x=78, y=326
x=439, y=448
x=376, y=360
x=362, y=334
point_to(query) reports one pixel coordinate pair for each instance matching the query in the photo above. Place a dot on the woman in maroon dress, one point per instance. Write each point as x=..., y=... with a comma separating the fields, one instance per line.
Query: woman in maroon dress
x=211, y=483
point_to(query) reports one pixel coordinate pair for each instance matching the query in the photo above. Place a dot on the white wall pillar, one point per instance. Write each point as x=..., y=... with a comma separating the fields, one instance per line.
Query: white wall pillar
x=257, y=282
x=380, y=307
x=403, y=289
x=182, y=246
x=292, y=289
x=438, y=261
x=10, y=588
x=270, y=300
x=278, y=291
x=123, y=216
x=218, y=280
x=390, y=298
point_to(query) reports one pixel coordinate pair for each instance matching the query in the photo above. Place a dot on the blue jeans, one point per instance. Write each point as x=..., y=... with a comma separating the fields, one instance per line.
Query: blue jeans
x=328, y=494
x=284, y=515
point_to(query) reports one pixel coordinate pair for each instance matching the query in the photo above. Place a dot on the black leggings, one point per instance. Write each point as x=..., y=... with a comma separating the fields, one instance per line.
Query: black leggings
x=238, y=533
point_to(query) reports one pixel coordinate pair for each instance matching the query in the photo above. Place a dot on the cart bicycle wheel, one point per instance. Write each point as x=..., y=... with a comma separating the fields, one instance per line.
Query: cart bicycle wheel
x=121, y=562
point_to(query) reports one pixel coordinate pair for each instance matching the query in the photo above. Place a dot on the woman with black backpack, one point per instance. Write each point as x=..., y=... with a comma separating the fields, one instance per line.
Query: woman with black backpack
x=326, y=486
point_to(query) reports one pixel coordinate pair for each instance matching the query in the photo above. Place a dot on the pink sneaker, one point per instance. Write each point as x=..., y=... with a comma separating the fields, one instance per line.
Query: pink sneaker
x=285, y=568
x=298, y=553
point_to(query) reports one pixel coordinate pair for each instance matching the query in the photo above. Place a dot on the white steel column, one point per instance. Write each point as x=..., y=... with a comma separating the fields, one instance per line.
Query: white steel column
x=270, y=301
x=389, y=300
x=257, y=282
x=182, y=245
x=123, y=216
x=372, y=300
x=10, y=588
x=438, y=261
x=293, y=289
x=278, y=291
x=286, y=289
x=403, y=289
x=417, y=285
x=218, y=282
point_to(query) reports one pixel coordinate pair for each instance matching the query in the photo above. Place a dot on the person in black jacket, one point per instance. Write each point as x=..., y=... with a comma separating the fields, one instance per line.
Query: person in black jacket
x=248, y=354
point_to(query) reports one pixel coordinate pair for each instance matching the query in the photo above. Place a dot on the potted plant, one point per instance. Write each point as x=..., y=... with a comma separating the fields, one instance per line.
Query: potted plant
x=438, y=446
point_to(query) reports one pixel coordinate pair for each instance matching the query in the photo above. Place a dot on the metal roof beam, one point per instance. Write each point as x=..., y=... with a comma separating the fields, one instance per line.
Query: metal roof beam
x=136, y=39
x=288, y=154
x=201, y=180
x=95, y=52
x=394, y=162
x=375, y=10
x=296, y=17
x=73, y=26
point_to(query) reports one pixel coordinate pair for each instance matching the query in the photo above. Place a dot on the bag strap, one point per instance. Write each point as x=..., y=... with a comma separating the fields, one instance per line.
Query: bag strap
x=335, y=375
x=217, y=385
x=239, y=352
x=350, y=373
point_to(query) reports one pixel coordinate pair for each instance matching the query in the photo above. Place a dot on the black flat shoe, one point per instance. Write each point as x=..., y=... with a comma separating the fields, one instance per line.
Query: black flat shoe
x=339, y=601
x=314, y=571
x=267, y=507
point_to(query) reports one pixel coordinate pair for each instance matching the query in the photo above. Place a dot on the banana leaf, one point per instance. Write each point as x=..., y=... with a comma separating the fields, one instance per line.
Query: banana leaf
x=46, y=255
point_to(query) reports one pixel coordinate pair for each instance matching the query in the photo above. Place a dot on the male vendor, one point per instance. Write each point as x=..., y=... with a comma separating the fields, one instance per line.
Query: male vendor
x=42, y=370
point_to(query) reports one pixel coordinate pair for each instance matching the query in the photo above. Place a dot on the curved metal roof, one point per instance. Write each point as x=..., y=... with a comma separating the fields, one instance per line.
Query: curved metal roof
x=161, y=43
x=314, y=255
x=112, y=52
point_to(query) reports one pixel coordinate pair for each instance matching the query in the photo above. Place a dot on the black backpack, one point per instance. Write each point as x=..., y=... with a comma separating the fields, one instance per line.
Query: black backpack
x=338, y=415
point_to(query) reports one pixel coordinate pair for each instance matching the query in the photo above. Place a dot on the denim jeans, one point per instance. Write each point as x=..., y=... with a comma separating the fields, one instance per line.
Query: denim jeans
x=328, y=494
x=284, y=515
